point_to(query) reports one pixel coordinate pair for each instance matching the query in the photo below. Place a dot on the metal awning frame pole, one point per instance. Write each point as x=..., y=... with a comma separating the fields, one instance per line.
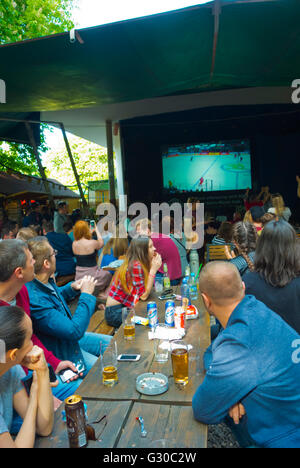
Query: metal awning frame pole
x=110, y=160
x=84, y=203
x=33, y=143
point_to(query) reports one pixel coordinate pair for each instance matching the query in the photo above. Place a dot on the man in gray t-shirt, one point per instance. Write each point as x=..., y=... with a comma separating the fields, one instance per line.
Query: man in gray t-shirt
x=10, y=384
x=60, y=217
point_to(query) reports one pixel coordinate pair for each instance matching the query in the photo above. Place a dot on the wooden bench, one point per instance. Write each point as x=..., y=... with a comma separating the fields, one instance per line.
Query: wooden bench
x=62, y=280
x=98, y=324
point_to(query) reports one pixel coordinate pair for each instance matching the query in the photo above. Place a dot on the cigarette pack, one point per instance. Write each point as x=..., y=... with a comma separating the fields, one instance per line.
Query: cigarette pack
x=141, y=320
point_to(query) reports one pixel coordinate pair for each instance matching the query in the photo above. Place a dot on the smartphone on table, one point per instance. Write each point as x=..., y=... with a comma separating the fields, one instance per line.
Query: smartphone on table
x=129, y=357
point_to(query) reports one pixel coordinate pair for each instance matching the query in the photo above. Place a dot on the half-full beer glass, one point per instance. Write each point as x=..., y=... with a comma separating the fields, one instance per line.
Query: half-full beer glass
x=109, y=365
x=128, y=323
x=180, y=362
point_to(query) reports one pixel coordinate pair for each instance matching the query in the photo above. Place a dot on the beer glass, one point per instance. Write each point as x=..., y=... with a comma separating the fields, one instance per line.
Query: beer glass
x=128, y=323
x=109, y=365
x=180, y=362
x=161, y=342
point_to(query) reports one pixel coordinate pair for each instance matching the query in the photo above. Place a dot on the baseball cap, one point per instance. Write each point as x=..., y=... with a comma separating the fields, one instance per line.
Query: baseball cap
x=257, y=212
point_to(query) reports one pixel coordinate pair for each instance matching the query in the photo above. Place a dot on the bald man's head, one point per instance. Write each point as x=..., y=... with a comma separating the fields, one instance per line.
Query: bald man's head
x=221, y=282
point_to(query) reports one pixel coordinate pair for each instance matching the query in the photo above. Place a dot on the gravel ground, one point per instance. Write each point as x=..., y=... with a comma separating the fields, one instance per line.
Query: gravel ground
x=219, y=436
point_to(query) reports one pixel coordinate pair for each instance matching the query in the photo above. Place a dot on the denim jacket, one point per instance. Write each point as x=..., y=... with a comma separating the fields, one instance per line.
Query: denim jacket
x=52, y=320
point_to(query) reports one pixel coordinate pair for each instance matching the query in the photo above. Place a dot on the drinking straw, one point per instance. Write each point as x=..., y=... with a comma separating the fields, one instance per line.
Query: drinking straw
x=199, y=270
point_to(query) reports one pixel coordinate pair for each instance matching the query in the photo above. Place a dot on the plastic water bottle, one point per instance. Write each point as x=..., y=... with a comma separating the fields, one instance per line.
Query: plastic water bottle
x=185, y=288
x=193, y=287
x=194, y=261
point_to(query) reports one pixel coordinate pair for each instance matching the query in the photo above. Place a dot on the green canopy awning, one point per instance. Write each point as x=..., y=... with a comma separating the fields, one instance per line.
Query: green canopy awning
x=243, y=43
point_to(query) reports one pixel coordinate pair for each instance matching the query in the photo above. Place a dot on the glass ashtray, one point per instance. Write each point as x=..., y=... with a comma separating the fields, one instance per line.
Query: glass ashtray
x=152, y=383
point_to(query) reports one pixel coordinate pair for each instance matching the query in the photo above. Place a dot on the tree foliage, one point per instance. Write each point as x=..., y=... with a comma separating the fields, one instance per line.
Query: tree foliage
x=90, y=161
x=20, y=157
x=27, y=19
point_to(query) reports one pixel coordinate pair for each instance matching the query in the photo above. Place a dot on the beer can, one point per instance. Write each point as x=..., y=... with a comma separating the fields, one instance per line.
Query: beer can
x=179, y=317
x=169, y=313
x=76, y=421
x=152, y=314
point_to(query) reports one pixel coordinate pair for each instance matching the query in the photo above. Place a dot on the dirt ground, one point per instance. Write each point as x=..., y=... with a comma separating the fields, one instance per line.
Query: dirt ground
x=219, y=436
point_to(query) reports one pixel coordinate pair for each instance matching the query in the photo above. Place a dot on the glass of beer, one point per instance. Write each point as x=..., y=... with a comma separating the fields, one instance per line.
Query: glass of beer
x=109, y=365
x=128, y=315
x=180, y=362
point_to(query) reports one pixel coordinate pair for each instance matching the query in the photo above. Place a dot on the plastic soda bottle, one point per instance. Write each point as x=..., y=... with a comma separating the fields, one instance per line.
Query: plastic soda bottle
x=194, y=261
x=166, y=279
x=193, y=287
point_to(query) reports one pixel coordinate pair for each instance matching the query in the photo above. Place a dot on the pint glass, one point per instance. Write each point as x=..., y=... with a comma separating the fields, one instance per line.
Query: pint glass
x=128, y=323
x=109, y=365
x=180, y=362
x=161, y=342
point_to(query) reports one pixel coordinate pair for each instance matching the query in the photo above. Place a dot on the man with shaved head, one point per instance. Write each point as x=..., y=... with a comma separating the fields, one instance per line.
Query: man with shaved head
x=252, y=366
x=221, y=283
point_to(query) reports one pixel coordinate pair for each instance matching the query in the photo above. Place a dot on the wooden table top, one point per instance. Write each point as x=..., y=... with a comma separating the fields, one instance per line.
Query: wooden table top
x=197, y=334
x=167, y=426
x=168, y=417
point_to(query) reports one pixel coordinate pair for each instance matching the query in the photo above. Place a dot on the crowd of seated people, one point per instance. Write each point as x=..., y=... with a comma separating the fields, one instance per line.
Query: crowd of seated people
x=251, y=383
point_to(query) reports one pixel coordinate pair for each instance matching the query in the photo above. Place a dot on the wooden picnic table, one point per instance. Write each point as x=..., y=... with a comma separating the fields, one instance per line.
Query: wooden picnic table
x=168, y=416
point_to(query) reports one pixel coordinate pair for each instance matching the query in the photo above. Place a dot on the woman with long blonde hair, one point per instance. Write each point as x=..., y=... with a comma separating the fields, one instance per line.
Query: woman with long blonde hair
x=279, y=208
x=85, y=249
x=133, y=280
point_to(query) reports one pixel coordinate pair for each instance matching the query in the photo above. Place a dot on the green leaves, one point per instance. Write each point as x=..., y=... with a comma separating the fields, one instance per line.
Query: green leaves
x=90, y=161
x=27, y=19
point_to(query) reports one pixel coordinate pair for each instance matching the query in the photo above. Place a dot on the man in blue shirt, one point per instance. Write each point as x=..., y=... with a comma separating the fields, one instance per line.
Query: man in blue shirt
x=252, y=367
x=64, y=333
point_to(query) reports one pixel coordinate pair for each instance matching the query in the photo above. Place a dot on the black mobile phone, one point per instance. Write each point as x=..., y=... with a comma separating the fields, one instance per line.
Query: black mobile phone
x=167, y=292
x=167, y=297
x=27, y=381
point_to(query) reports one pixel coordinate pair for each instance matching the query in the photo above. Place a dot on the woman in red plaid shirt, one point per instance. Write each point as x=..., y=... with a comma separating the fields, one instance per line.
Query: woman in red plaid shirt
x=133, y=280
